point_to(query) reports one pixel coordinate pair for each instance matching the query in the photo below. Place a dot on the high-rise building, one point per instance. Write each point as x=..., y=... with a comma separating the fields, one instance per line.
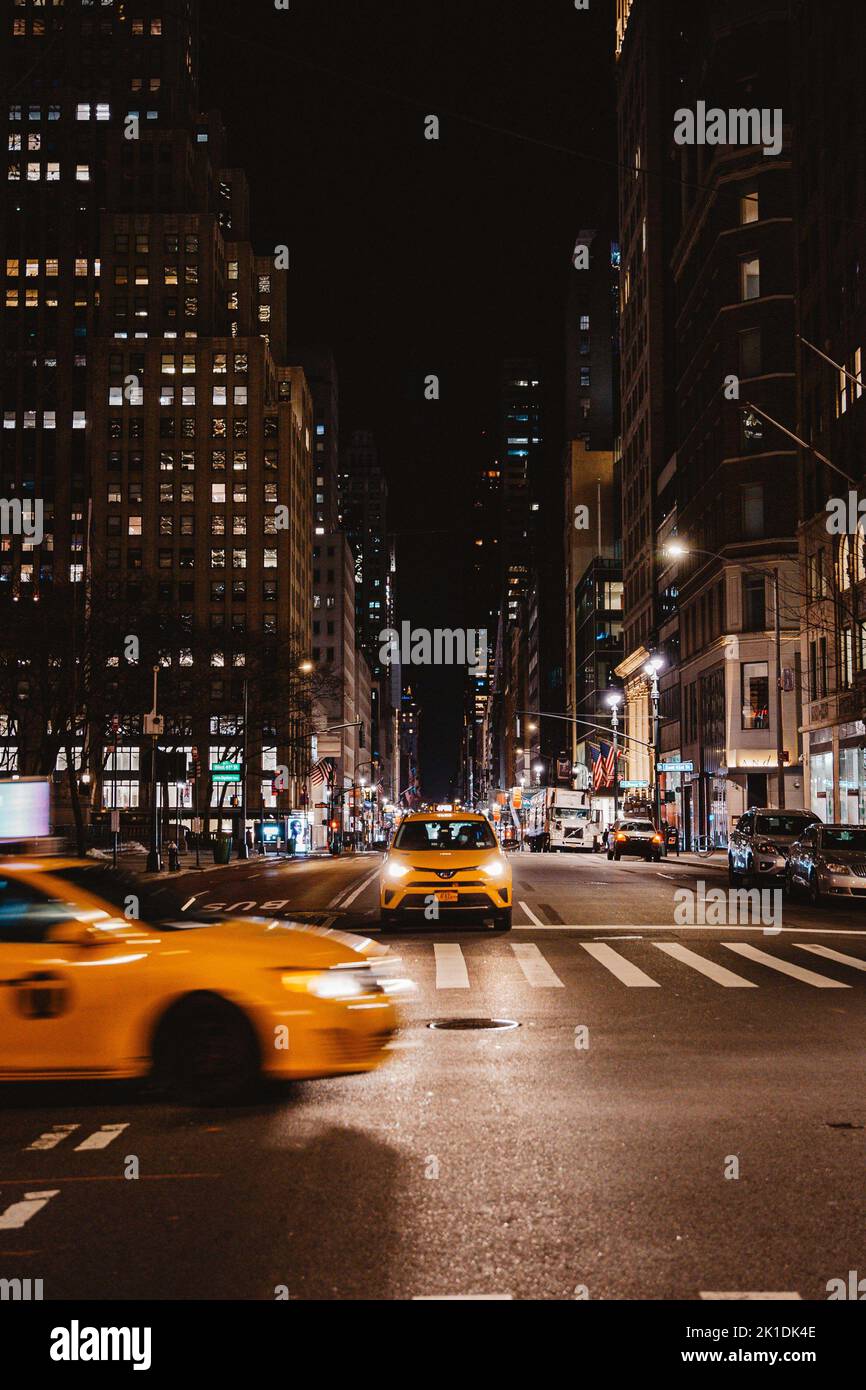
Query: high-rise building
x=363, y=497
x=592, y=341
x=736, y=475
x=830, y=170
x=646, y=44
x=149, y=402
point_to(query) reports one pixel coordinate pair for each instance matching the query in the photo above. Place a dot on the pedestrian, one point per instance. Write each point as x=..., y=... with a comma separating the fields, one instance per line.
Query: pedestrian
x=249, y=839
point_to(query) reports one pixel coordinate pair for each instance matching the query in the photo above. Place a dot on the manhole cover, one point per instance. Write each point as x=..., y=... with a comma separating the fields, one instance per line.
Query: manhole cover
x=470, y=1023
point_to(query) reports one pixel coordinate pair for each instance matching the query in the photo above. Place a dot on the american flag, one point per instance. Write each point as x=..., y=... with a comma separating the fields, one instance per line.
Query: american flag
x=597, y=771
x=323, y=772
x=610, y=758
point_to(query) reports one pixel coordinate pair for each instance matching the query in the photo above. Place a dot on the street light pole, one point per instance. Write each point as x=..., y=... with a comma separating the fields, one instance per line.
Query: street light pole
x=154, y=864
x=243, y=848
x=654, y=691
x=780, y=738
x=614, y=725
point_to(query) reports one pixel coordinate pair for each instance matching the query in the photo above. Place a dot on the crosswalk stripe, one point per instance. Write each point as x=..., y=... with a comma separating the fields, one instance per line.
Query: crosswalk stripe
x=536, y=922
x=536, y=969
x=450, y=966
x=618, y=965
x=830, y=954
x=796, y=972
x=105, y=1135
x=52, y=1138
x=17, y=1216
x=726, y=978
x=788, y=1297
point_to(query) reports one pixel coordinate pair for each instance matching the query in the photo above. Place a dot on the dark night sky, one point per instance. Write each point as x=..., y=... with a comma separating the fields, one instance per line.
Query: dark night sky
x=413, y=257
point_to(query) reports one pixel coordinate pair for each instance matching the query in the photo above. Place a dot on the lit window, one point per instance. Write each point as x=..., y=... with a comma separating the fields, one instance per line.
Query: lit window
x=750, y=278
x=82, y=111
x=82, y=173
x=749, y=207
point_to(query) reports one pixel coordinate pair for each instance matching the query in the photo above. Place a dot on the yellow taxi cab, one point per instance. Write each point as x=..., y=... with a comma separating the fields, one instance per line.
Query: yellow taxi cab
x=101, y=977
x=442, y=864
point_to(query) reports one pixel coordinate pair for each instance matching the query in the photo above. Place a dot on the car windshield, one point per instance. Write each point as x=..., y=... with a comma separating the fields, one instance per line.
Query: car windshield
x=782, y=825
x=445, y=835
x=150, y=902
x=636, y=825
x=853, y=839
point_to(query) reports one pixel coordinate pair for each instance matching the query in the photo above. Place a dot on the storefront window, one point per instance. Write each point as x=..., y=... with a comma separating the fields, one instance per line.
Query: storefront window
x=852, y=786
x=821, y=784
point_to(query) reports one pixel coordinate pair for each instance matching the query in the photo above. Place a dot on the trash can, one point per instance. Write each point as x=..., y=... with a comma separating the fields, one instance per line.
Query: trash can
x=222, y=849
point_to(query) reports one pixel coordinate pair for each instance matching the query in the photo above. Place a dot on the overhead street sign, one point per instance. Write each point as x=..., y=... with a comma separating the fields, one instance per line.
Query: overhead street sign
x=676, y=767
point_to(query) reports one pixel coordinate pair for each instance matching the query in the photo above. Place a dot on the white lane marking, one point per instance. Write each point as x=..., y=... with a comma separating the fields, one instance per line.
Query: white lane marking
x=463, y=1298
x=618, y=965
x=345, y=901
x=536, y=969
x=784, y=967
x=829, y=954
x=719, y=973
x=52, y=1138
x=16, y=1216
x=532, y=917
x=679, y=926
x=402, y=1044
x=105, y=1135
x=451, y=970
x=754, y=1297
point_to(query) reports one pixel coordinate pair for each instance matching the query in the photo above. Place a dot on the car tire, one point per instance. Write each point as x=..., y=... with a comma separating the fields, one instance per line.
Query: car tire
x=733, y=876
x=816, y=897
x=502, y=921
x=610, y=854
x=789, y=888
x=206, y=1052
x=748, y=875
x=617, y=855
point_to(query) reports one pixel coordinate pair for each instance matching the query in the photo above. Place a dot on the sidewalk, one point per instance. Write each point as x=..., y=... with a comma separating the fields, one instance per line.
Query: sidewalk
x=136, y=861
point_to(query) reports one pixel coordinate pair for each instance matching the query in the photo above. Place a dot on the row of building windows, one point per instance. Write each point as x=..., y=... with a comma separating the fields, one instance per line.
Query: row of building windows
x=33, y=172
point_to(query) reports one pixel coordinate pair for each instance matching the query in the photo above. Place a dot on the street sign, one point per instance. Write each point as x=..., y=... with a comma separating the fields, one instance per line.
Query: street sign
x=225, y=778
x=226, y=767
x=634, y=784
x=676, y=767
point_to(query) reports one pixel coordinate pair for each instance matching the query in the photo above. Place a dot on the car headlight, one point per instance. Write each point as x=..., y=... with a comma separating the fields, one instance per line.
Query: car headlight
x=497, y=868
x=396, y=870
x=325, y=984
x=834, y=867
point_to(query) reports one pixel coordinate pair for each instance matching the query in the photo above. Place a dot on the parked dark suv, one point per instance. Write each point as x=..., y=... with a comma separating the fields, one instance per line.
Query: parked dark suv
x=758, y=847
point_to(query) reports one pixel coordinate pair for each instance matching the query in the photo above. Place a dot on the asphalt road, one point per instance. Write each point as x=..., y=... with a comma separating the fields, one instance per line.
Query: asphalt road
x=680, y=1112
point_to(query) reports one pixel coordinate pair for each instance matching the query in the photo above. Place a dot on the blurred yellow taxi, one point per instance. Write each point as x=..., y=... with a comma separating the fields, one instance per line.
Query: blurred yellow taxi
x=443, y=864
x=100, y=977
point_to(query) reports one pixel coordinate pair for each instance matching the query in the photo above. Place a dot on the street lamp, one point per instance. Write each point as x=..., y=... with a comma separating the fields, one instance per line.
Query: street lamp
x=651, y=669
x=614, y=699
x=678, y=549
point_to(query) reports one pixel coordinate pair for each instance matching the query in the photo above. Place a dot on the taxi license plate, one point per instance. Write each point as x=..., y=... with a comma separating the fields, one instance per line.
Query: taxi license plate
x=447, y=897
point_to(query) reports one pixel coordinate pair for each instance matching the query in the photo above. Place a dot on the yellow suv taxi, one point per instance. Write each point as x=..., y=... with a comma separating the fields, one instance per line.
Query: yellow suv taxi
x=446, y=864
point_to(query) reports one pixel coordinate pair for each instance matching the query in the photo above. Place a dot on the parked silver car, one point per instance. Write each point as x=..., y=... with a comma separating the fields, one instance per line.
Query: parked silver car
x=828, y=861
x=758, y=846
